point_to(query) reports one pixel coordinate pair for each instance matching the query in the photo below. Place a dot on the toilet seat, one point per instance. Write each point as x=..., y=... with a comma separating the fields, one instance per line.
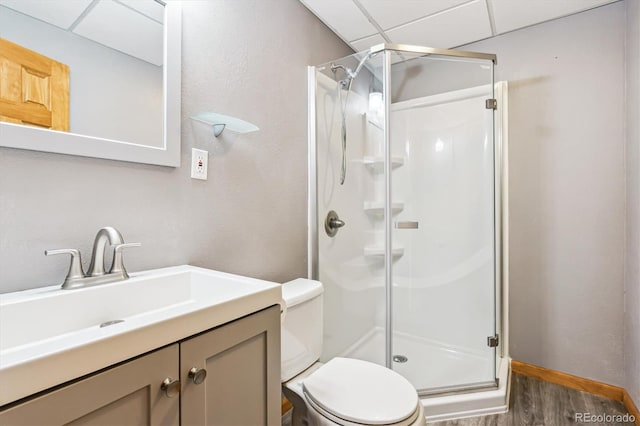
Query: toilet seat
x=356, y=392
x=332, y=420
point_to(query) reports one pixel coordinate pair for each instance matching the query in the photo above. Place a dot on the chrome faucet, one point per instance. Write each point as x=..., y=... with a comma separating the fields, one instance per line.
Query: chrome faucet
x=96, y=267
x=76, y=278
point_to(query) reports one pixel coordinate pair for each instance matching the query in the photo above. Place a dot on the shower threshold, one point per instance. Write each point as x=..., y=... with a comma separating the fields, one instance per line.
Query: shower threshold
x=442, y=401
x=471, y=403
x=450, y=390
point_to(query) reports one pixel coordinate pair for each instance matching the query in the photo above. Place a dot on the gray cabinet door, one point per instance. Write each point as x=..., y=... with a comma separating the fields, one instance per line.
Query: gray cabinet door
x=128, y=394
x=242, y=386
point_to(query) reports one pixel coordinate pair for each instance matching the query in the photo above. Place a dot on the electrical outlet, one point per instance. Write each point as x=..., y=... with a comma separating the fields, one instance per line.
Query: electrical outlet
x=199, y=164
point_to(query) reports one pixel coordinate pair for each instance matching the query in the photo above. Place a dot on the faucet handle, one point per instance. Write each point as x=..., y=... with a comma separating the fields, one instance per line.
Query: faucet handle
x=118, y=263
x=75, y=267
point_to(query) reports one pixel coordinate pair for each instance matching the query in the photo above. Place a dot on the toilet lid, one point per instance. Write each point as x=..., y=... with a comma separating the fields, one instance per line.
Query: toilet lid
x=361, y=392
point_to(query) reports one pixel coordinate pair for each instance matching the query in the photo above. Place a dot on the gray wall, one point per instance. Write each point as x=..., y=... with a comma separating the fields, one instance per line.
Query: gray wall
x=240, y=57
x=567, y=200
x=408, y=78
x=632, y=258
x=128, y=89
x=248, y=58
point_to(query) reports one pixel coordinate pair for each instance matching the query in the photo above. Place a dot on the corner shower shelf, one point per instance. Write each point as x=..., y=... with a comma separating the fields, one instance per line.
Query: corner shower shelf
x=378, y=251
x=377, y=207
x=376, y=164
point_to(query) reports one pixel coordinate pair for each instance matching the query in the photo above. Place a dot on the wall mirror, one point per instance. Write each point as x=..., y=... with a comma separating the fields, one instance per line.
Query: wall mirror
x=123, y=59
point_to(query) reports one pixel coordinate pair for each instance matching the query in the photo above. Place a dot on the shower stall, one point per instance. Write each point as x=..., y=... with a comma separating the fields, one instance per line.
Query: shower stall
x=406, y=212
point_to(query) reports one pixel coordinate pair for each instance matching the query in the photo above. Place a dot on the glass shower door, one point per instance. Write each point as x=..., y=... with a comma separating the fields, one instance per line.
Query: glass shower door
x=443, y=232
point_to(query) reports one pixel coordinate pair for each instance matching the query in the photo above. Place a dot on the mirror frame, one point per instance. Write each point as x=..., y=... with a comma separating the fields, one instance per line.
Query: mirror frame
x=38, y=139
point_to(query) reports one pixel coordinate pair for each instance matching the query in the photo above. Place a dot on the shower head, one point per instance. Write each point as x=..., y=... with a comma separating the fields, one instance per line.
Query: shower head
x=346, y=82
x=336, y=67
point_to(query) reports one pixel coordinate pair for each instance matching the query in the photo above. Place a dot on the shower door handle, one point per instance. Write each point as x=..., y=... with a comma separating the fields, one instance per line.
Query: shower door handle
x=406, y=225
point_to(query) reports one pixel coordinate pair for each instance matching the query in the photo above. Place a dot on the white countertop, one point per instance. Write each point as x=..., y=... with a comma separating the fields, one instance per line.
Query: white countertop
x=49, y=336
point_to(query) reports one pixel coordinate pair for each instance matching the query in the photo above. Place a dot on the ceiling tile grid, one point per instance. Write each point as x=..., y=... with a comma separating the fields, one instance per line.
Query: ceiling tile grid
x=343, y=17
x=403, y=12
x=133, y=27
x=134, y=33
x=367, y=42
x=511, y=15
x=149, y=8
x=446, y=29
x=436, y=23
x=60, y=14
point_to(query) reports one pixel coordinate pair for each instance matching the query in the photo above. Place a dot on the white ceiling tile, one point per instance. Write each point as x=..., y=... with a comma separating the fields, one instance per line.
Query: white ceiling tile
x=390, y=14
x=131, y=33
x=455, y=27
x=510, y=15
x=61, y=14
x=365, y=43
x=343, y=17
x=151, y=8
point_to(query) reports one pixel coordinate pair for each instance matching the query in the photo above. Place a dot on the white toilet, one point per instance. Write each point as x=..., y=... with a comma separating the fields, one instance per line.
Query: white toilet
x=343, y=391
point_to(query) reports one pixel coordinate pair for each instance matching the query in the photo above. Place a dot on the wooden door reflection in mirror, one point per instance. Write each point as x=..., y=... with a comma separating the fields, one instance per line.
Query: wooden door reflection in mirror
x=34, y=89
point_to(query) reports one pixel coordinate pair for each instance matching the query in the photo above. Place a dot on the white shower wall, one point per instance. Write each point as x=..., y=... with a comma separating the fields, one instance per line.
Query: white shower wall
x=354, y=284
x=444, y=296
x=443, y=286
x=446, y=274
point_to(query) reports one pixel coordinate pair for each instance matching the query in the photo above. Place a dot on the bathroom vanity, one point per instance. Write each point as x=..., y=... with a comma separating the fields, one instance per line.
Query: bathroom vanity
x=210, y=358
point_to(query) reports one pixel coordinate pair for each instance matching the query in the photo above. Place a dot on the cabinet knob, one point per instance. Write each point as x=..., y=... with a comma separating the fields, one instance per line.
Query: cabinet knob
x=170, y=387
x=197, y=375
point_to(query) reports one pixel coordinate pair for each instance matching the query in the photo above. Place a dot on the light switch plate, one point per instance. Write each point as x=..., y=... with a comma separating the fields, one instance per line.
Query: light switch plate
x=199, y=163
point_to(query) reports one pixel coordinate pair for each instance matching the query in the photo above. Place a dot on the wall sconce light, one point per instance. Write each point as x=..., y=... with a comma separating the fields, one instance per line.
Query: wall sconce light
x=376, y=109
x=375, y=103
x=220, y=122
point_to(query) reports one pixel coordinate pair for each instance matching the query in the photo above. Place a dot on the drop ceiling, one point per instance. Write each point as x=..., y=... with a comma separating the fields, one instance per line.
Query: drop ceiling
x=134, y=27
x=436, y=23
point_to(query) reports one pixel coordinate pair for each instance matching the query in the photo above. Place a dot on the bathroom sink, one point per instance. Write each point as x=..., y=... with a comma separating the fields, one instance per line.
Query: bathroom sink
x=52, y=336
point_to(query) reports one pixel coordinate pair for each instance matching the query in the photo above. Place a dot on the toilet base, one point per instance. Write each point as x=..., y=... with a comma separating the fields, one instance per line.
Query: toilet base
x=292, y=390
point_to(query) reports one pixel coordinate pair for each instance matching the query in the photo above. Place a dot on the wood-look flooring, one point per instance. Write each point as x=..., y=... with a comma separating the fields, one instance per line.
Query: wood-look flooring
x=539, y=403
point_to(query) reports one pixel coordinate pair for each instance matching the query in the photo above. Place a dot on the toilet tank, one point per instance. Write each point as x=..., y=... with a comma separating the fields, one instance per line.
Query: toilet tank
x=301, y=327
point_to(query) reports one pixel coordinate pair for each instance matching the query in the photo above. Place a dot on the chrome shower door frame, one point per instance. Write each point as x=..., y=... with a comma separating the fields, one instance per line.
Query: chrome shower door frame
x=312, y=188
x=313, y=271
